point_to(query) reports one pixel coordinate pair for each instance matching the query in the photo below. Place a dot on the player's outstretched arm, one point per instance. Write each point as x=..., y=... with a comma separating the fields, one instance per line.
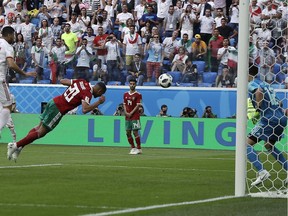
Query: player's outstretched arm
x=66, y=82
x=12, y=65
x=89, y=107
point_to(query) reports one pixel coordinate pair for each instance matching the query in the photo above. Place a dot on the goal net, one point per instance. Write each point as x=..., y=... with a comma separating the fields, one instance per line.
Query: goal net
x=268, y=51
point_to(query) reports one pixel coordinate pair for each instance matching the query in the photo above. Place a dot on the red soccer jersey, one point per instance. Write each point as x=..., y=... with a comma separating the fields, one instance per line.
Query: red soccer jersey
x=130, y=102
x=98, y=42
x=73, y=96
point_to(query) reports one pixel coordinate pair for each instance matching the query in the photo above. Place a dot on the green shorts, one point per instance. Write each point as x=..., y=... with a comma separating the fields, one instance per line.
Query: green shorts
x=132, y=125
x=51, y=116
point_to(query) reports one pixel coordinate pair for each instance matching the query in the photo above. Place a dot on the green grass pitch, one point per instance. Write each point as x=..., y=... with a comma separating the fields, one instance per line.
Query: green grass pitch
x=67, y=181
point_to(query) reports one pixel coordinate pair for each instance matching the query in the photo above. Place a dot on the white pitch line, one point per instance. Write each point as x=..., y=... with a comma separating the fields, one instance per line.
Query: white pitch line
x=159, y=168
x=28, y=166
x=160, y=206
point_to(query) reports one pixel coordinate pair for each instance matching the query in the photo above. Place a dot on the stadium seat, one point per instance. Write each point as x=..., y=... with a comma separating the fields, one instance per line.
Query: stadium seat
x=200, y=66
x=46, y=73
x=116, y=83
x=149, y=83
x=35, y=21
x=176, y=76
x=204, y=85
x=69, y=73
x=186, y=85
x=26, y=81
x=209, y=77
x=46, y=81
x=280, y=77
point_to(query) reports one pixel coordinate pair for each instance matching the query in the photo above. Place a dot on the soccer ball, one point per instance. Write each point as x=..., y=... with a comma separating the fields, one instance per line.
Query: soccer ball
x=165, y=80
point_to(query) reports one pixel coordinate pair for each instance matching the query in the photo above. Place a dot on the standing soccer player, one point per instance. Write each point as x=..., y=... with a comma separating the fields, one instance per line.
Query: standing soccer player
x=7, y=61
x=79, y=92
x=269, y=128
x=132, y=101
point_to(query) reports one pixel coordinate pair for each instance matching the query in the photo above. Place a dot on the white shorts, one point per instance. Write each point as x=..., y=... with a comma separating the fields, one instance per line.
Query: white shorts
x=5, y=97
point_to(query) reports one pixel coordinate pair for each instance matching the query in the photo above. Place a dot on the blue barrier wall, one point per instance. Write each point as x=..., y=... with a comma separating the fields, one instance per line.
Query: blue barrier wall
x=223, y=101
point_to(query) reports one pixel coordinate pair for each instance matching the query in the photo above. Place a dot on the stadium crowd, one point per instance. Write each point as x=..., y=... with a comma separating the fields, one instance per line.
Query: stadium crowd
x=111, y=41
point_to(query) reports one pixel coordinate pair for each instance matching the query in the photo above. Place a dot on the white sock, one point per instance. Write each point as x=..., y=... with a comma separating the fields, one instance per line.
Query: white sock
x=4, y=117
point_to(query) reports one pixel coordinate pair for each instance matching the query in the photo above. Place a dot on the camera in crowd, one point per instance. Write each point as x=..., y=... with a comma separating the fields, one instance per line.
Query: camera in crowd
x=96, y=111
x=189, y=113
x=208, y=113
x=119, y=110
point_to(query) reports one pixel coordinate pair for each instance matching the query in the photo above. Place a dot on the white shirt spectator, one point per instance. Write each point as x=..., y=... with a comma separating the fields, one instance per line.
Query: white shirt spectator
x=59, y=52
x=169, y=45
x=132, y=47
x=206, y=24
x=27, y=30
x=10, y=6
x=140, y=11
x=163, y=7
x=37, y=51
x=76, y=28
x=112, y=49
x=122, y=17
x=83, y=59
x=224, y=58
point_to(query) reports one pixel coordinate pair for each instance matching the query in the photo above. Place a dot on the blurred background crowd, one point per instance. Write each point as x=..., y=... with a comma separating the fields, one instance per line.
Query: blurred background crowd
x=111, y=41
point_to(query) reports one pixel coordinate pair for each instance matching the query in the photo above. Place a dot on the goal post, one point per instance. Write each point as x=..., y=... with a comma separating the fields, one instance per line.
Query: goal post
x=241, y=114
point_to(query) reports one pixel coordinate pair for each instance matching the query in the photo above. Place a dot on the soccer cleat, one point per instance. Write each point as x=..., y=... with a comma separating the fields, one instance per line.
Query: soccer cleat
x=16, y=154
x=262, y=176
x=139, y=151
x=133, y=151
x=11, y=148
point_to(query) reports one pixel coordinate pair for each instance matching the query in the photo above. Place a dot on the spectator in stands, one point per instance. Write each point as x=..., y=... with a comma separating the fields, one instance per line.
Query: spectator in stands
x=137, y=70
x=100, y=72
x=45, y=33
x=113, y=53
x=90, y=36
x=39, y=52
x=178, y=63
x=170, y=45
x=269, y=13
x=208, y=113
x=234, y=14
x=162, y=10
x=98, y=43
x=203, y=6
x=109, y=7
x=219, y=17
x=146, y=32
x=19, y=12
x=186, y=43
x=281, y=50
x=9, y=7
x=20, y=46
x=139, y=11
x=253, y=52
x=267, y=61
x=255, y=13
x=222, y=57
x=149, y=16
x=83, y=53
x=122, y=17
x=73, y=7
x=76, y=28
x=187, y=20
x=226, y=79
x=126, y=29
x=56, y=29
x=163, y=111
x=107, y=22
x=155, y=58
x=44, y=15
x=132, y=44
x=222, y=5
x=58, y=55
x=199, y=49
x=170, y=22
x=70, y=39
x=57, y=10
x=215, y=43
x=206, y=25
x=262, y=34
x=83, y=19
x=190, y=73
x=228, y=32
x=28, y=31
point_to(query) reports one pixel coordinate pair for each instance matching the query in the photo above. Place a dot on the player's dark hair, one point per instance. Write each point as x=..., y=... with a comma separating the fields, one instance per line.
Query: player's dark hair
x=132, y=80
x=102, y=86
x=253, y=70
x=8, y=30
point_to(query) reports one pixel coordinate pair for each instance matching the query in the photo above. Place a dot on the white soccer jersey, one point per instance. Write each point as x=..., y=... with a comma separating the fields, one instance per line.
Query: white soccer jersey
x=6, y=51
